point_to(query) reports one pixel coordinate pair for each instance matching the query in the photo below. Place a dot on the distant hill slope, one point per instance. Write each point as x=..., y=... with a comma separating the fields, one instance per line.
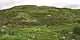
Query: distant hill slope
x=38, y=15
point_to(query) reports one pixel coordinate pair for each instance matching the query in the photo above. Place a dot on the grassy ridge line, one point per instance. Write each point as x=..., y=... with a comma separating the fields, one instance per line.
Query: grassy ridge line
x=28, y=13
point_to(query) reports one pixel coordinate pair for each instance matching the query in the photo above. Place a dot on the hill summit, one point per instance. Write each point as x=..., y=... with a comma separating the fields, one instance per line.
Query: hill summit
x=38, y=15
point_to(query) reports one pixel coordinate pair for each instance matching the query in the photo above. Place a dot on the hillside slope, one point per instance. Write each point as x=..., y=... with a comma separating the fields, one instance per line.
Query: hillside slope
x=31, y=22
x=39, y=15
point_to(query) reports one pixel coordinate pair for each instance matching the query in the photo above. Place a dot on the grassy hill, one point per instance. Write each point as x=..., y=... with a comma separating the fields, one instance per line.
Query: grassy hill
x=31, y=22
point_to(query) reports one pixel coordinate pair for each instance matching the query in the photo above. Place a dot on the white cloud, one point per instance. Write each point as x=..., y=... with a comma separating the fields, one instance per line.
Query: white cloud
x=46, y=2
x=7, y=3
x=57, y=3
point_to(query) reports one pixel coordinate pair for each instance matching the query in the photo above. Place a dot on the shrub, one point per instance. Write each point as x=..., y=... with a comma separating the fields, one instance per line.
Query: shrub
x=76, y=30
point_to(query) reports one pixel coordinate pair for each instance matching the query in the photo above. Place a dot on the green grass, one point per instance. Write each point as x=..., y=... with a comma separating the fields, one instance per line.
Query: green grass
x=25, y=15
x=37, y=33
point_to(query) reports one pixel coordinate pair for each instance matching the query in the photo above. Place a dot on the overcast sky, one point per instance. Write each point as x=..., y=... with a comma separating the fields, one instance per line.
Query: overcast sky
x=58, y=3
